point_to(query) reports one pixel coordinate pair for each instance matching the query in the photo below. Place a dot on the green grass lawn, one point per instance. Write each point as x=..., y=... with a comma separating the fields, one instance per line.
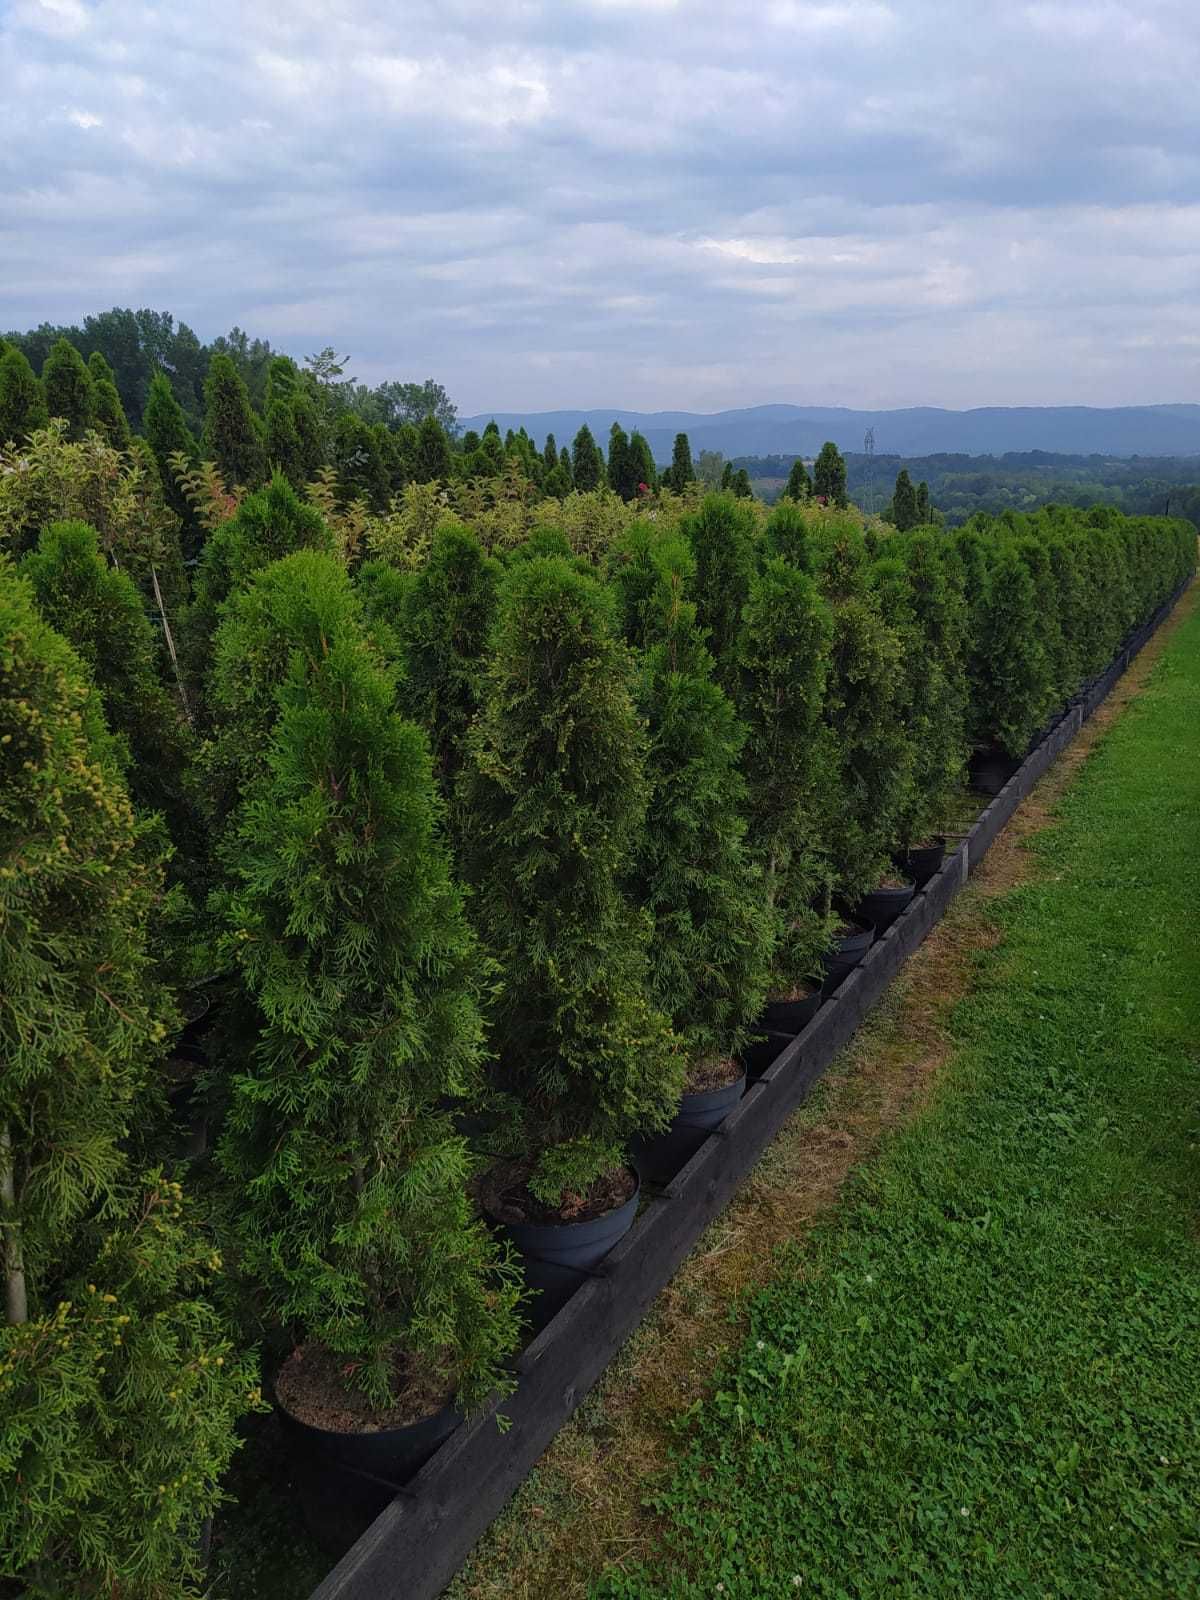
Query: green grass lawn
x=984, y=1379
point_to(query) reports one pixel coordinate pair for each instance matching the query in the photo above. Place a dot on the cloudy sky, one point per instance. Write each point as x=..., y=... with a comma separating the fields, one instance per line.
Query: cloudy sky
x=646, y=203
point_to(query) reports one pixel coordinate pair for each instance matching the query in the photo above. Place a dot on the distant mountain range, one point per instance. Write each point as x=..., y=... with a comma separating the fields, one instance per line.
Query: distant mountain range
x=1172, y=430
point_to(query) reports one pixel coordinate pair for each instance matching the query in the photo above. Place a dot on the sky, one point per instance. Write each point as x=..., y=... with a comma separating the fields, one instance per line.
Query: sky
x=690, y=204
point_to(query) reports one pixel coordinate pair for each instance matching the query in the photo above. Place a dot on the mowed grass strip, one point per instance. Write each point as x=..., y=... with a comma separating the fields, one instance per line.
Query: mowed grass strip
x=984, y=1380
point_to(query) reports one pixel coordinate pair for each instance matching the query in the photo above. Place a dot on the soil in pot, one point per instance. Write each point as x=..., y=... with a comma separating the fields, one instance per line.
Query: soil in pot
x=793, y=1010
x=558, y=1245
x=348, y=1455
x=711, y=1090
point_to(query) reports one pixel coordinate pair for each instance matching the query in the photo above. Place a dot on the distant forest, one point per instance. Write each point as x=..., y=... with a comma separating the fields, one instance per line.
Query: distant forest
x=960, y=485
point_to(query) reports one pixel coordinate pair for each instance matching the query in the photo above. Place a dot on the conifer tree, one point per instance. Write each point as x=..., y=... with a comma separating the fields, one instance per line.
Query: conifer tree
x=233, y=434
x=442, y=633
x=924, y=511
x=310, y=435
x=68, y=388
x=284, y=451
x=740, y=484
x=782, y=670
x=362, y=472
x=722, y=537
x=787, y=535
x=550, y=454
x=1012, y=666
x=564, y=466
x=348, y=936
x=108, y=414
x=712, y=945
x=432, y=463
x=98, y=610
x=872, y=757
x=269, y=524
x=22, y=398
x=829, y=475
x=641, y=464
x=938, y=673
x=81, y=1016
x=283, y=381
x=1048, y=623
x=555, y=791
x=587, y=461
x=904, y=502
x=799, y=484
x=620, y=464
x=167, y=433
x=681, y=472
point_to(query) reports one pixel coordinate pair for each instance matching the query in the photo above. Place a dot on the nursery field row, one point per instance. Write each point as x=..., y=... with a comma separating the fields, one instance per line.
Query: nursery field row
x=383, y=924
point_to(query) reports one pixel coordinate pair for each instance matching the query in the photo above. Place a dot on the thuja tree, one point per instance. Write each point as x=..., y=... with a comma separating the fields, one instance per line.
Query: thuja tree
x=1010, y=693
x=556, y=792
x=99, y=611
x=442, y=630
x=358, y=460
x=787, y=534
x=783, y=667
x=22, y=398
x=799, y=484
x=165, y=430
x=348, y=1185
x=870, y=748
x=681, y=472
x=119, y=1399
x=712, y=944
x=587, y=461
x=904, y=502
x=938, y=675
x=108, y=414
x=722, y=537
x=269, y=524
x=68, y=388
x=829, y=475
x=1048, y=622
x=233, y=434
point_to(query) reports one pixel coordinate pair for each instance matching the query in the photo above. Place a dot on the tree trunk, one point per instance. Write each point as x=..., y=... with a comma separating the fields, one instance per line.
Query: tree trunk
x=16, y=1303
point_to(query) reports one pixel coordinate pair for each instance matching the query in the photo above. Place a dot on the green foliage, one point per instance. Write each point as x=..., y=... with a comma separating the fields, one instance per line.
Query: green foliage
x=799, y=484
x=904, y=503
x=722, y=537
x=22, y=398
x=99, y=612
x=233, y=434
x=432, y=461
x=167, y=433
x=348, y=936
x=935, y=669
x=622, y=478
x=117, y=1412
x=556, y=794
x=1011, y=693
x=358, y=460
x=712, y=944
x=681, y=471
x=285, y=452
x=924, y=510
x=641, y=464
x=587, y=461
x=107, y=413
x=787, y=534
x=783, y=666
x=442, y=631
x=81, y=1016
x=269, y=524
x=68, y=387
x=829, y=475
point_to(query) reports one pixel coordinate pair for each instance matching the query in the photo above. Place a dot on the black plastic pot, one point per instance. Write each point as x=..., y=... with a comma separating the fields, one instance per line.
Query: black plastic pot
x=840, y=960
x=790, y=1016
x=922, y=863
x=344, y=1480
x=661, y=1157
x=763, y=1049
x=556, y=1256
x=882, y=906
x=990, y=770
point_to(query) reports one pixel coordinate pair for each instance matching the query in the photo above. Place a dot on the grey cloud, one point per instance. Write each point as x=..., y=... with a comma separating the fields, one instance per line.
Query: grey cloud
x=623, y=201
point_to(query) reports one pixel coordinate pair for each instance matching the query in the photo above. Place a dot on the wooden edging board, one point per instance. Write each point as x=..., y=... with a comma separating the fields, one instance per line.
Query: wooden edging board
x=414, y=1548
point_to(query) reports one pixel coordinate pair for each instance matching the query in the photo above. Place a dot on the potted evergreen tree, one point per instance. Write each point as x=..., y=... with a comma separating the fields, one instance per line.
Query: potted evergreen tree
x=119, y=1387
x=555, y=792
x=713, y=940
x=348, y=1187
x=783, y=667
